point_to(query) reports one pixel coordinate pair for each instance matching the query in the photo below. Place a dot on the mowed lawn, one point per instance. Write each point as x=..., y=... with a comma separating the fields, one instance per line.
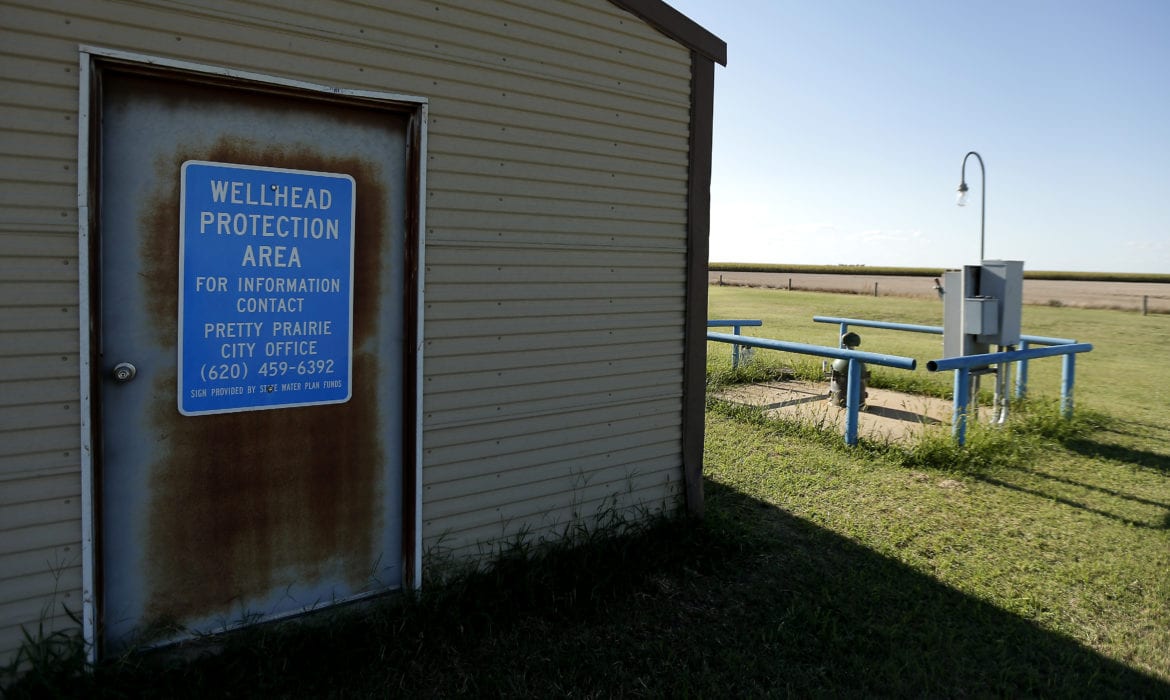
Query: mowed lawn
x=1067, y=533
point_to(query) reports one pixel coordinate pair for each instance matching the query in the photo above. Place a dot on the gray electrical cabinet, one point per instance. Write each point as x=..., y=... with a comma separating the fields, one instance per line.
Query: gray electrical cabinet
x=982, y=307
x=1003, y=280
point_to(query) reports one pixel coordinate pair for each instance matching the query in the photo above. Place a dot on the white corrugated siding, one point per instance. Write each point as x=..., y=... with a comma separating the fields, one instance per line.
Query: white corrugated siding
x=556, y=253
x=555, y=261
x=40, y=479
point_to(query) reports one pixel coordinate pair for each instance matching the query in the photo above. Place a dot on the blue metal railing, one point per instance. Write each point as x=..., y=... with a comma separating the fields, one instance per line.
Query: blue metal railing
x=1026, y=341
x=735, y=325
x=963, y=366
x=846, y=322
x=855, y=357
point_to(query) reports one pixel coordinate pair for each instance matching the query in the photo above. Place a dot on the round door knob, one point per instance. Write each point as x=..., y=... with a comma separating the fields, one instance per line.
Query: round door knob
x=124, y=372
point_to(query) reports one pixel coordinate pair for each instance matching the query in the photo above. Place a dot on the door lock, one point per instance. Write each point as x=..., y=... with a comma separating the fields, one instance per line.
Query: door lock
x=124, y=372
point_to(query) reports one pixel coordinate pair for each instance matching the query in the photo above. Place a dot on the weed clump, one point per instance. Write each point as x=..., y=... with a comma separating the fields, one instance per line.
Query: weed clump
x=1033, y=426
x=761, y=367
x=48, y=661
x=987, y=449
x=1046, y=420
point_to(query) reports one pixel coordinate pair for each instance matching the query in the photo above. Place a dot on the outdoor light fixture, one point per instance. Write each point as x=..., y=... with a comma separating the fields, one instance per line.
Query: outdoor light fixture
x=962, y=201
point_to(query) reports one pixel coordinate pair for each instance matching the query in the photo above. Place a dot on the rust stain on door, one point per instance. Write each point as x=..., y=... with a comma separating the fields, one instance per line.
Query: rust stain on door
x=245, y=502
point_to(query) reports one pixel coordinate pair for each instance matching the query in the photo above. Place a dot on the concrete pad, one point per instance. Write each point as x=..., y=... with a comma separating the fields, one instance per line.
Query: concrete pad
x=889, y=415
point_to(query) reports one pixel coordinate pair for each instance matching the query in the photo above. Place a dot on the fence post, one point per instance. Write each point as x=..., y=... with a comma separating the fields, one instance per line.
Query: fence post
x=875, y=284
x=1068, y=373
x=1145, y=304
x=790, y=284
x=841, y=336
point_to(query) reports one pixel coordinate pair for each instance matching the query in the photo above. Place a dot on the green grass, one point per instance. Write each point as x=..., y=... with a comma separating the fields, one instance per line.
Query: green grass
x=934, y=272
x=1020, y=522
x=1064, y=524
x=1031, y=563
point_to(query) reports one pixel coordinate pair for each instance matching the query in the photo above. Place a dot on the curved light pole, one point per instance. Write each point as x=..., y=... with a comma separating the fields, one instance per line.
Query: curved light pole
x=983, y=194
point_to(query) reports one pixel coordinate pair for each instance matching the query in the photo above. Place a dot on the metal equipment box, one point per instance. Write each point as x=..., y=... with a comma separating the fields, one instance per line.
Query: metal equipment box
x=982, y=307
x=1003, y=280
x=981, y=316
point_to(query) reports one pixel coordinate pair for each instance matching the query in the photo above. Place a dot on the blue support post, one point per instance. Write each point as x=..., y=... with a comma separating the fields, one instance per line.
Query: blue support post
x=735, y=349
x=852, y=401
x=844, y=330
x=1022, y=373
x=735, y=324
x=962, y=398
x=1068, y=372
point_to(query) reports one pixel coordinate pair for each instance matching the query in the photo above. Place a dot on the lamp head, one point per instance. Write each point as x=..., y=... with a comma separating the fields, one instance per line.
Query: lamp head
x=962, y=200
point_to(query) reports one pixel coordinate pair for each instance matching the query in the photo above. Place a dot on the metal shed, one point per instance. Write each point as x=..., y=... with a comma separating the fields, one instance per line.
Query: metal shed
x=295, y=294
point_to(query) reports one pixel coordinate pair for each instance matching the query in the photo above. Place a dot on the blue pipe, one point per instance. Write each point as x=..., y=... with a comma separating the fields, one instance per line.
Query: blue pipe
x=996, y=358
x=720, y=323
x=846, y=322
x=872, y=358
x=1044, y=340
x=917, y=328
x=1025, y=340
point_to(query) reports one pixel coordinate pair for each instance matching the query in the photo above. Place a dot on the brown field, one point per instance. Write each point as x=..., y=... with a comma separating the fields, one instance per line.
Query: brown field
x=1091, y=295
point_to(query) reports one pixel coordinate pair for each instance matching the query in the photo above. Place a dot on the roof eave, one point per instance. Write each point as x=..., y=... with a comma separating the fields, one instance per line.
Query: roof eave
x=677, y=26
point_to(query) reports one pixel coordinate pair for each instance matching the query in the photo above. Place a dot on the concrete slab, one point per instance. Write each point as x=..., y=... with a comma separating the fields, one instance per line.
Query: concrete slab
x=889, y=415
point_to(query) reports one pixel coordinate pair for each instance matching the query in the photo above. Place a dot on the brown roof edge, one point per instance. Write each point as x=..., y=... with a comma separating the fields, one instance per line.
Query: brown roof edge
x=694, y=394
x=677, y=26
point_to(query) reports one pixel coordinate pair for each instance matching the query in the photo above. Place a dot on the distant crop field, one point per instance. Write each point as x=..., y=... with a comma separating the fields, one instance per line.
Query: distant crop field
x=867, y=270
x=1081, y=293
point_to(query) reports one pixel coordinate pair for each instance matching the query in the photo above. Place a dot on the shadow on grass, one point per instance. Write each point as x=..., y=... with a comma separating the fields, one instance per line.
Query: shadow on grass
x=837, y=617
x=1160, y=525
x=1093, y=487
x=1120, y=453
x=903, y=415
x=753, y=601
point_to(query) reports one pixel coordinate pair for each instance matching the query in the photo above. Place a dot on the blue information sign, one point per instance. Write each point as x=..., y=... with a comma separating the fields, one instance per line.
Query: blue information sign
x=265, y=288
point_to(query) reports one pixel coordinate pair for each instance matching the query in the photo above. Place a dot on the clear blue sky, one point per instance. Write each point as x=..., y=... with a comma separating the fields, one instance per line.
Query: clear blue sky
x=841, y=126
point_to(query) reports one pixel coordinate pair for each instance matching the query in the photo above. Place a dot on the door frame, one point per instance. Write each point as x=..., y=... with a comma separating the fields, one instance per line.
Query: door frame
x=93, y=62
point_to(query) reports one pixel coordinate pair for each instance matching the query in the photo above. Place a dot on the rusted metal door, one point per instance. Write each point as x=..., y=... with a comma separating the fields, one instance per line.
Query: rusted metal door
x=212, y=520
